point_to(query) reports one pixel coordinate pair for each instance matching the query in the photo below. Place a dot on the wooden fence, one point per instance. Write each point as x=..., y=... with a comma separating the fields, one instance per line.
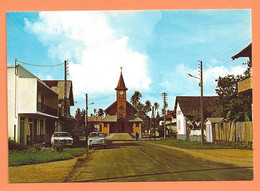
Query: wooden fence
x=239, y=132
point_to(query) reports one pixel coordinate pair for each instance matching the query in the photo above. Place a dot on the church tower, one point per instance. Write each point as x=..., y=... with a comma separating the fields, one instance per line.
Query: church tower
x=121, y=115
x=121, y=97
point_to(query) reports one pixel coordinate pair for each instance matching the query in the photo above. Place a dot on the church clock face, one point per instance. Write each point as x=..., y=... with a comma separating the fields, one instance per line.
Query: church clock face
x=121, y=93
x=121, y=107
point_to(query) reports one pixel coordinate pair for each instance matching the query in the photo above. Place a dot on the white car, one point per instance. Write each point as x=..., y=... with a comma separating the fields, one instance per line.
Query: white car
x=61, y=138
x=97, y=139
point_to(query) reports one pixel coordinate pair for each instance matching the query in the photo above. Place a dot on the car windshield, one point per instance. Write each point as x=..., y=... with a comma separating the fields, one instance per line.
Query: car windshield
x=97, y=135
x=61, y=135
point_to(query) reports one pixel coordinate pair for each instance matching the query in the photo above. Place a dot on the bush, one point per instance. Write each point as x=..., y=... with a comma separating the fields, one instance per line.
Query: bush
x=59, y=147
x=35, y=148
x=15, y=146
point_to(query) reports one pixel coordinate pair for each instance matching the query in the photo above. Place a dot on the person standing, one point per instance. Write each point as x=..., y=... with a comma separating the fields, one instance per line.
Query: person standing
x=136, y=136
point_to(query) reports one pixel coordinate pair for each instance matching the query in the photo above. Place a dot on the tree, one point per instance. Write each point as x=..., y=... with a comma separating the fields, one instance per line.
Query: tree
x=148, y=106
x=80, y=117
x=101, y=113
x=156, y=106
x=234, y=106
x=135, y=99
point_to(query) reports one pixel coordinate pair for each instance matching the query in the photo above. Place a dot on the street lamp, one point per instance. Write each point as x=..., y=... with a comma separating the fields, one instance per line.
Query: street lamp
x=201, y=98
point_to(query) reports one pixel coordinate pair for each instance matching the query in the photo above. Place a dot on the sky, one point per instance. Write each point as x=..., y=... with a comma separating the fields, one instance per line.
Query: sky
x=155, y=48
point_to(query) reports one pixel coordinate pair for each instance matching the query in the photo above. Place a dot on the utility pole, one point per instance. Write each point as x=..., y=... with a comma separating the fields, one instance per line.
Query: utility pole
x=86, y=121
x=164, y=113
x=66, y=70
x=200, y=70
x=201, y=101
x=152, y=117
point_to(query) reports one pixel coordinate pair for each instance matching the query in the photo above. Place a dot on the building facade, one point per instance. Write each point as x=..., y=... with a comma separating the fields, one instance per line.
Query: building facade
x=120, y=115
x=65, y=120
x=32, y=107
x=185, y=106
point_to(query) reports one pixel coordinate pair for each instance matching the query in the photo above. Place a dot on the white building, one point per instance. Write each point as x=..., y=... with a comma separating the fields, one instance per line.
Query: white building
x=185, y=106
x=170, y=123
x=210, y=127
x=32, y=107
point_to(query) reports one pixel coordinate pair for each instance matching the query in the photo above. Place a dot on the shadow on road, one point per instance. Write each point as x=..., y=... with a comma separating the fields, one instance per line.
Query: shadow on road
x=162, y=173
x=115, y=144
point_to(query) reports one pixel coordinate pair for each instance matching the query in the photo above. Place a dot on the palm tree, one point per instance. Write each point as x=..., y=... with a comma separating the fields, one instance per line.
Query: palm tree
x=156, y=106
x=101, y=113
x=135, y=99
x=148, y=106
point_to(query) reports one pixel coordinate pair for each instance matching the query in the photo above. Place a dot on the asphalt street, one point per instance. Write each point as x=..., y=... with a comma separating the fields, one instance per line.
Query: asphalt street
x=135, y=161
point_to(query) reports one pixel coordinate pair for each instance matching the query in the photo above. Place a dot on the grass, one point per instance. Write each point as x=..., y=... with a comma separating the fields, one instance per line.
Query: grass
x=29, y=156
x=195, y=144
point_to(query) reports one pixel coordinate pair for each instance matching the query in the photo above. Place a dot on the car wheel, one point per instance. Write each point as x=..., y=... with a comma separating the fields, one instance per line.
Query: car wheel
x=90, y=145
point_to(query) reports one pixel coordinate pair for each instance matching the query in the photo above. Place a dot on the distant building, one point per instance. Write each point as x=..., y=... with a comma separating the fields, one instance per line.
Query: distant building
x=210, y=127
x=120, y=115
x=65, y=122
x=96, y=122
x=185, y=107
x=170, y=122
x=32, y=107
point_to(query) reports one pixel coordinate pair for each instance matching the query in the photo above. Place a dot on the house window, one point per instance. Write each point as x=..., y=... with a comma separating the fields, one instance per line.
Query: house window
x=22, y=129
x=179, y=124
x=41, y=127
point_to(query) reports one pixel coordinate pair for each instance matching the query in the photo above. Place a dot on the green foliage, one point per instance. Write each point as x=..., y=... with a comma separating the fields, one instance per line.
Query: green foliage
x=30, y=157
x=194, y=144
x=35, y=148
x=235, y=107
x=15, y=146
x=59, y=147
x=101, y=113
x=135, y=99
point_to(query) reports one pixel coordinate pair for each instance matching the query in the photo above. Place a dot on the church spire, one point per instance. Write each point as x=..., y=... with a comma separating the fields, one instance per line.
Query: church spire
x=121, y=83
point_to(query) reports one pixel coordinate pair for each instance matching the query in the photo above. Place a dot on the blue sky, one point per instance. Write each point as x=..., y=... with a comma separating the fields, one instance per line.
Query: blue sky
x=155, y=48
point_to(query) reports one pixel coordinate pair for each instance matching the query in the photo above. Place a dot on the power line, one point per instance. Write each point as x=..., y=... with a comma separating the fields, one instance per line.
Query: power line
x=247, y=41
x=39, y=65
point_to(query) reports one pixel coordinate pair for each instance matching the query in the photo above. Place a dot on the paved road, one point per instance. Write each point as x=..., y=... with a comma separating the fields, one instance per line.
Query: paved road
x=142, y=161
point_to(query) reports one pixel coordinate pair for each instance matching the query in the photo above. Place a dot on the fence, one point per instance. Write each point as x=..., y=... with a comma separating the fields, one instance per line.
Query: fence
x=239, y=132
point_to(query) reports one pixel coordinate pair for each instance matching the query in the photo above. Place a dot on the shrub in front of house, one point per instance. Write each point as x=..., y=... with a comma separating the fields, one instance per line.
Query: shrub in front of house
x=59, y=147
x=15, y=146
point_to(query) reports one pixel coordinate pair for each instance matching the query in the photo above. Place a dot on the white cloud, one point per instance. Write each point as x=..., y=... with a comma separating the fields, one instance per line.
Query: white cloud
x=94, y=51
x=176, y=82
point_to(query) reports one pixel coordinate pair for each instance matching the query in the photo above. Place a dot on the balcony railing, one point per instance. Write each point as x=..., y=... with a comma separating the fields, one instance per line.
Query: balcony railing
x=46, y=109
x=245, y=85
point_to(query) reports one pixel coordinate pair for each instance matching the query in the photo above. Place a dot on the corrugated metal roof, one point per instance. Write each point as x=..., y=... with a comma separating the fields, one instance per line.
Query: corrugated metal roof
x=113, y=118
x=188, y=104
x=214, y=119
x=133, y=118
x=110, y=118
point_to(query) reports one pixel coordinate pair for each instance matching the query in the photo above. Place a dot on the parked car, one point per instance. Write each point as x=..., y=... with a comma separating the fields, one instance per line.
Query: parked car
x=61, y=138
x=97, y=139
